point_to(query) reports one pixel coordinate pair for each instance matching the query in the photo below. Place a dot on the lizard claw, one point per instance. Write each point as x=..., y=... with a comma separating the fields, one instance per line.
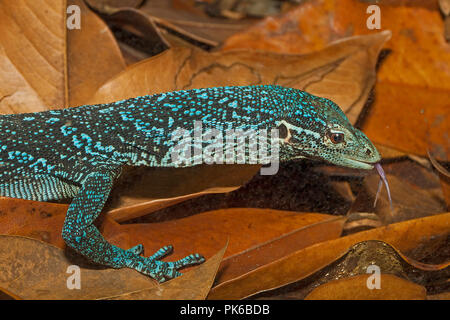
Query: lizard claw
x=138, y=250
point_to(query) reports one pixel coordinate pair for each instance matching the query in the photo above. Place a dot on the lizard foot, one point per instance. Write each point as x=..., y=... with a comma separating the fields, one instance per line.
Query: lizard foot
x=161, y=270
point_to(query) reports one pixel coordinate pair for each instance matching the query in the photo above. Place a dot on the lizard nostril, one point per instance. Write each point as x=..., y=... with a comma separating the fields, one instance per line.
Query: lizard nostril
x=368, y=152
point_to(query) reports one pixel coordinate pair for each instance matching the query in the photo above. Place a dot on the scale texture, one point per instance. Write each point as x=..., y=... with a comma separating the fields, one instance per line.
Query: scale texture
x=78, y=153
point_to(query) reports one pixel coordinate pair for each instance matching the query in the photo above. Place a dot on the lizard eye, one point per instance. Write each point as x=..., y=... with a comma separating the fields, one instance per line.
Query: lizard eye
x=336, y=137
x=283, y=131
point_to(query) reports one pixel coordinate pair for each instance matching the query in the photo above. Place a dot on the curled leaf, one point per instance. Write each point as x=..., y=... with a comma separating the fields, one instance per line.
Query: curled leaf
x=356, y=288
x=44, y=65
x=349, y=64
x=304, y=262
x=33, y=270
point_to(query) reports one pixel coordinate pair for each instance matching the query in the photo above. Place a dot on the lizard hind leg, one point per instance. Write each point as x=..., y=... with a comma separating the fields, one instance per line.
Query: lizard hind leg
x=80, y=233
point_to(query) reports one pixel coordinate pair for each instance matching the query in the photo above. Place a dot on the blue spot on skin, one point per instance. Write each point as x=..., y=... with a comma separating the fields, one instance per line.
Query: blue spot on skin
x=171, y=121
x=52, y=120
x=41, y=161
x=66, y=131
x=233, y=104
x=77, y=143
x=126, y=115
x=162, y=97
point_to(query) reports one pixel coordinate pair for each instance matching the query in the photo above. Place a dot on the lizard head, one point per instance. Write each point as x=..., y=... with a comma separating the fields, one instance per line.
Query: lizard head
x=316, y=128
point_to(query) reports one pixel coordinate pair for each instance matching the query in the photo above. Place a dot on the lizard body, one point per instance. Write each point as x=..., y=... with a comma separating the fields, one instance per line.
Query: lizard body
x=78, y=153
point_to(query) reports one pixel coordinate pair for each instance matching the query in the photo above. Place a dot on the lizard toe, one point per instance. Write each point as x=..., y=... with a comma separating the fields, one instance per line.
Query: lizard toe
x=138, y=250
x=161, y=253
x=189, y=260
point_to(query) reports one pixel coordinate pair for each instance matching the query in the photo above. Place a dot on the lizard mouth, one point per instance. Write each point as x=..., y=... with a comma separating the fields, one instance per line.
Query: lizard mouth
x=359, y=164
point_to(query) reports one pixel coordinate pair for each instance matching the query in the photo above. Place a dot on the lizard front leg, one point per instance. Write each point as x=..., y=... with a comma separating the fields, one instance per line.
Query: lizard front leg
x=80, y=233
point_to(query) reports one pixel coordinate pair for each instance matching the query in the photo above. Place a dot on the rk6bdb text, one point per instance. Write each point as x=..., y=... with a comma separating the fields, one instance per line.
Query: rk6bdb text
x=247, y=309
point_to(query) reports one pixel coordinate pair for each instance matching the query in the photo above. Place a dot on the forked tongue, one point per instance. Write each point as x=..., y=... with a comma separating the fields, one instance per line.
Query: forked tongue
x=382, y=180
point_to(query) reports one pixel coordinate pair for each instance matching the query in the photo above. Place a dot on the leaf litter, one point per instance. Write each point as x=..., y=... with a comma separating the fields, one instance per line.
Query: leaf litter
x=343, y=71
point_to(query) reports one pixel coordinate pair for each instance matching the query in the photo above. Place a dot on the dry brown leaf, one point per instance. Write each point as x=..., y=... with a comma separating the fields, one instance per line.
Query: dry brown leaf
x=444, y=5
x=39, y=220
x=111, y=6
x=204, y=233
x=404, y=236
x=360, y=221
x=409, y=203
x=88, y=65
x=357, y=261
x=444, y=176
x=245, y=228
x=343, y=188
x=265, y=253
x=146, y=191
x=415, y=191
x=441, y=152
x=410, y=119
x=33, y=270
x=447, y=29
x=439, y=296
x=193, y=285
x=32, y=61
x=192, y=23
x=355, y=288
x=256, y=236
x=42, y=70
x=411, y=101
x=388, y=152
x=411, y=105
x=177, y=23
x=445, y=9
x=438, y=166
x=314, y=24
x=348, y=64
x=137, y=34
